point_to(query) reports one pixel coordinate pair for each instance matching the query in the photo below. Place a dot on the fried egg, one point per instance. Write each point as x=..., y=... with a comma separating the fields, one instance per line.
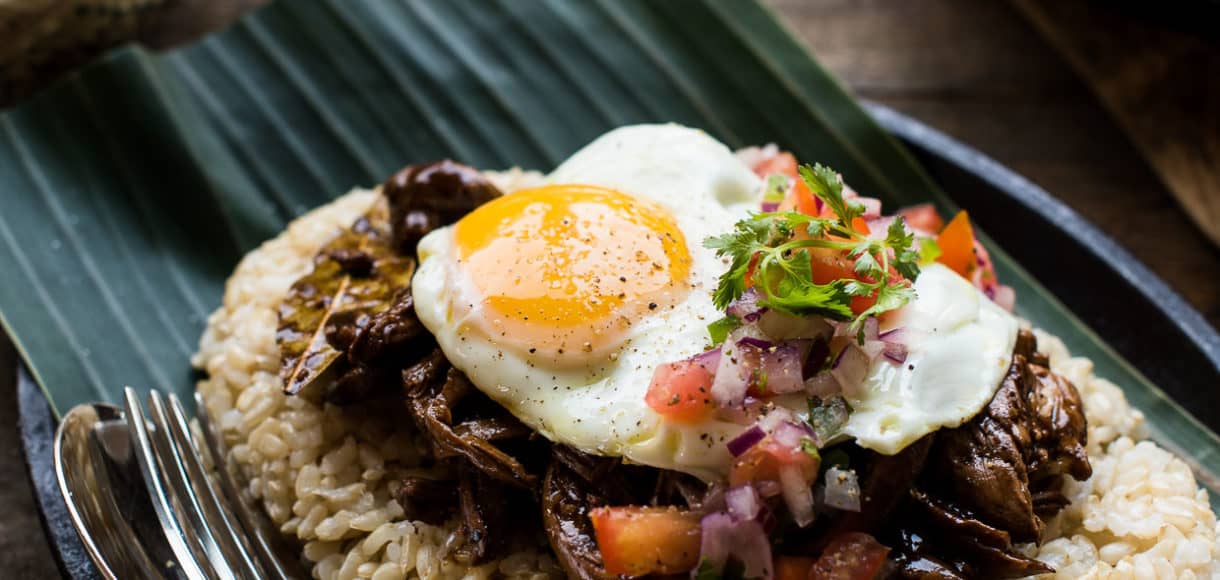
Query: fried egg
x=560, y=301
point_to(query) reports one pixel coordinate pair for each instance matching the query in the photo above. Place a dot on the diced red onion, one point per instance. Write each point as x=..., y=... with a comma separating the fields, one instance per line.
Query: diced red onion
x=798, y=494
x=819, y=350
x=1005, y=297
x=789, y=433
x=842, y=489
x=737, y=365
x=744, y=540
x=709, y=360
x=895, y=352
x=873, y=348
x=755, y=342
x=850, y=369
x=894, y=335
x=823, y=385
x=871, y=328
x=717, y=540
x=783, y=365
x=746, y=308
x=743, y=503
x=744, y=442
x=754, y=156
x=878, y=227
x=745, y=413
x=770, y=205
x=776, y=417
x=768, y=488
x=777, y=325
x=872, y=207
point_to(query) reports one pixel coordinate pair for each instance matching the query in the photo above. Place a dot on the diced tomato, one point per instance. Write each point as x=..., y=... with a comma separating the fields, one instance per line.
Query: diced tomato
x=784, y=163
x=636, y=541
x=861, y=226
x=802, y=200
x=680, y=392
x=850, y=556
x=793, y=567
x=923, y=218
x=956, y=243
x=830, y=265
x=763, y=462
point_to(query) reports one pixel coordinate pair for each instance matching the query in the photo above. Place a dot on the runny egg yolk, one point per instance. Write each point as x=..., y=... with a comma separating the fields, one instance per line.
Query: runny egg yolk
x=568, y=268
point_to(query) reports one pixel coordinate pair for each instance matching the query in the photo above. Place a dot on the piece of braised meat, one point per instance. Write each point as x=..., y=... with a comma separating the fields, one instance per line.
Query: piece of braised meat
x=426, y=500
x=433, y=410
x=1032, y=432
x=427, y=196
x=995, y=480
x=987, y=549
x=567, y=498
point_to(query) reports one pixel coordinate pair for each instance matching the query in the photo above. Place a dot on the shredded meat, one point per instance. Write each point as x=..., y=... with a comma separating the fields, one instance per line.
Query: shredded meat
x=433, y=412
x=989, y=550
x=885, y=481
x=1031, y=434
x=425, y=197
x=567, y=498
x=425, y=500
x=489, y=510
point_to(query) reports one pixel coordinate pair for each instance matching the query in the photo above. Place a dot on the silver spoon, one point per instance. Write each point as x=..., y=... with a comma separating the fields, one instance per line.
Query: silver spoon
x=146, y=506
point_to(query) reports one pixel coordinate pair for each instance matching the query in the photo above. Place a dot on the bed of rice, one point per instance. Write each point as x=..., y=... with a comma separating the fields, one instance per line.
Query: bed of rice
x=323, y=474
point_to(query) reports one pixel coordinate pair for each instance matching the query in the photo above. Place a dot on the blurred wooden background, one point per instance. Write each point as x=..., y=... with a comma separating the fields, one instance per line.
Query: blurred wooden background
x=1003, y=78
x=1101, y=106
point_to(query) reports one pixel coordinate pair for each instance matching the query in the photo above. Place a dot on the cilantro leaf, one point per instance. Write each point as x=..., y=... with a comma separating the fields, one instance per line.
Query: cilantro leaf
x=907, y=264
x=825, y=183
x=898, y=236
x=771, y=252
x=866, y=264
x=803, y=299
x=900, y=239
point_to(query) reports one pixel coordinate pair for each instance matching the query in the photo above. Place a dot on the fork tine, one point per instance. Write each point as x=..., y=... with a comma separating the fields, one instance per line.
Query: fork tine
x=217, y=530
x=189, y=514
x=142, y=445
x=269, y=544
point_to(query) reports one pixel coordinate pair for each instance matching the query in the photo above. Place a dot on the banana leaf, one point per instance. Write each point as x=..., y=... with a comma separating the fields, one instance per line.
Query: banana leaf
x=129, y=191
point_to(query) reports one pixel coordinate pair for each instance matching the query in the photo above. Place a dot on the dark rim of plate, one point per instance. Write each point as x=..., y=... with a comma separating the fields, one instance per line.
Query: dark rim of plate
x=949, y=161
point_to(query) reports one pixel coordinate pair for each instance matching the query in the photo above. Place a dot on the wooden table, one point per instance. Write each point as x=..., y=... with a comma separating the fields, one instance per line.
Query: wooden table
x=976, y=70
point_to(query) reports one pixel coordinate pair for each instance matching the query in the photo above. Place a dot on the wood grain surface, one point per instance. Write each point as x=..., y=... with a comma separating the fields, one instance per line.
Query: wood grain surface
x=976, y=70
x=981, y=73
x=1162, y=86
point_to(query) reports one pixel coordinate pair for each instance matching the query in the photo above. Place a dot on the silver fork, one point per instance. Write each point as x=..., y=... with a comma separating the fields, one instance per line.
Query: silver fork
x=145, y=503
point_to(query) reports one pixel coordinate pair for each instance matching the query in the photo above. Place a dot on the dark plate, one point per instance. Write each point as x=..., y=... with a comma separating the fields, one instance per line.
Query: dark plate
x=1136, y=313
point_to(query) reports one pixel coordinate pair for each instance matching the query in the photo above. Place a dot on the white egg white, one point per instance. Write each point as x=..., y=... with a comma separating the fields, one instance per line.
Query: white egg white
x=954, y=366
x=959, y=348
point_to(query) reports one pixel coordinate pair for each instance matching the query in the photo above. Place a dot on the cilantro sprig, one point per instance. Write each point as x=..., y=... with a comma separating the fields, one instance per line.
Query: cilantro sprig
x=765, y=247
